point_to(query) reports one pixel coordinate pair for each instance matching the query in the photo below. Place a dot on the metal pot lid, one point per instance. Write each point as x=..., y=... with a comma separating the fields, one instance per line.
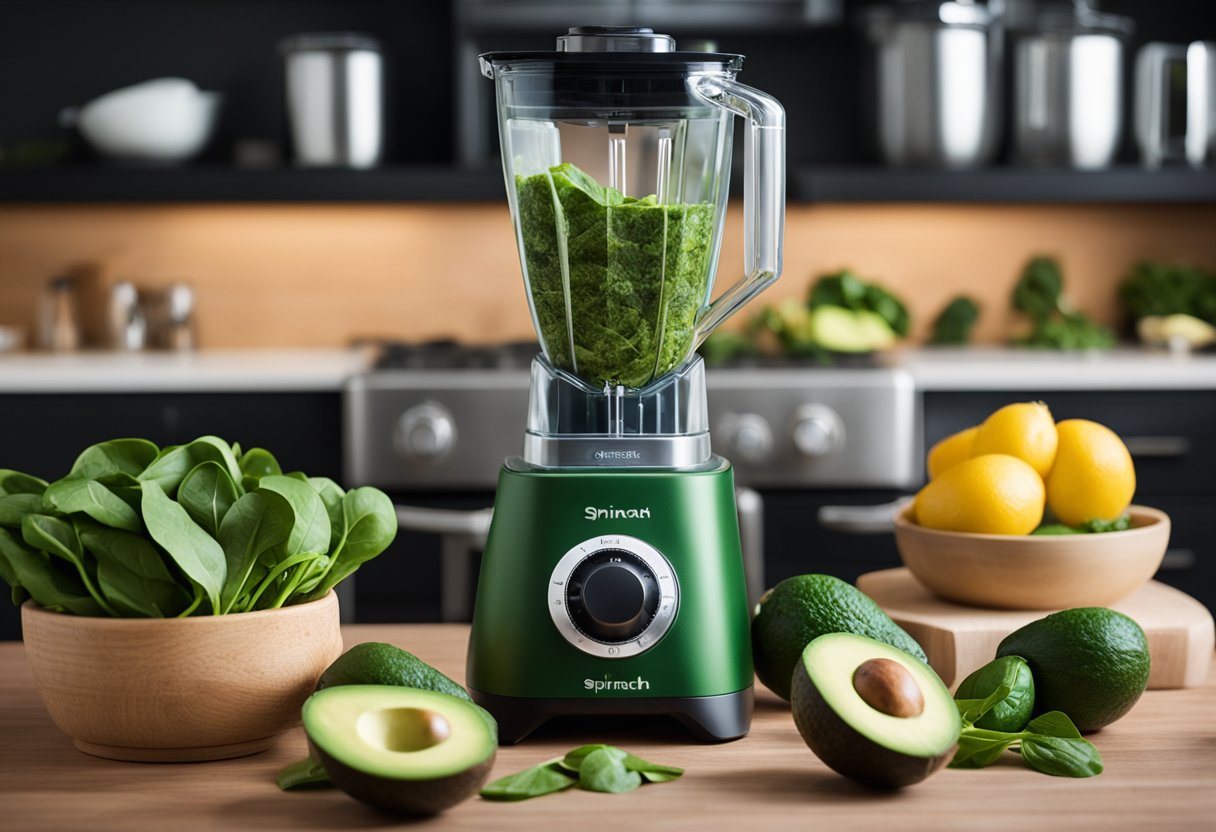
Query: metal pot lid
x=614, y=49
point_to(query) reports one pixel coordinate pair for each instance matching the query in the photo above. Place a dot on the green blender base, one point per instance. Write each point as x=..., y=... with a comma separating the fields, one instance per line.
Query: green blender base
x=570, y=556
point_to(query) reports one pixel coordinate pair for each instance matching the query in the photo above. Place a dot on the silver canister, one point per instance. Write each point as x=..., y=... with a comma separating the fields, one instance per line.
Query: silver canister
x=335, y=98
x=1068, y=90
x=1175, y=103
x=937, y=82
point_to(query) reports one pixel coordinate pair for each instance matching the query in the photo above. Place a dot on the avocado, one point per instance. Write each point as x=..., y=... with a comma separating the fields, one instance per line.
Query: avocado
x=1092, y=663
x=846, y=330
x=872, y=712
x=803, y=607
x=400, y=749
x=1013, y=712
x=377, y=663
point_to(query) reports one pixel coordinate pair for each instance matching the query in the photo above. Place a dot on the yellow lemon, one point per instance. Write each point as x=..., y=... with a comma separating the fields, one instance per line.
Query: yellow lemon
x=1025, y=430
x=989, y=494
x=953, y=449
x=1093, y=477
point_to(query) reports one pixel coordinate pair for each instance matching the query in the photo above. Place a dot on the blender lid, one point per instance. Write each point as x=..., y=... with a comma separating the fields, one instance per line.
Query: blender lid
x=608, y=49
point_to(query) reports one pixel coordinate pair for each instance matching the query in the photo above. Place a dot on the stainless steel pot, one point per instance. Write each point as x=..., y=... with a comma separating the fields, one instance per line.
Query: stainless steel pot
x=1176, y=103
x=937, y=68
x=1068, y=90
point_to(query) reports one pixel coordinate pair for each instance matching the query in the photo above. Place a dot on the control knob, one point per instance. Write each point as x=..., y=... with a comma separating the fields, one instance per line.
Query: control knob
x=425, y=433
x=612, y=596
x=817, y=430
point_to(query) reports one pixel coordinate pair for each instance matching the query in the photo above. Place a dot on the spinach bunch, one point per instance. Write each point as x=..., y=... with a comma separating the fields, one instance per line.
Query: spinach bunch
x=1039, y=295
x=1049, y=743
x=848, y=290
x=1168, y=289
x=955, y=322
x=137, y=531
x=596, y=768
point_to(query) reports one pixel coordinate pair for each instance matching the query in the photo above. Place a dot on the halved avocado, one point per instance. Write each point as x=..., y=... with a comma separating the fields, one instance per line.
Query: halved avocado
x=400, y=749
x=872, y=712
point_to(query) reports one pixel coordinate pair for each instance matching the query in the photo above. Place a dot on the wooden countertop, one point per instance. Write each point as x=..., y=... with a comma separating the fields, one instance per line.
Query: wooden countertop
x=1160, y=775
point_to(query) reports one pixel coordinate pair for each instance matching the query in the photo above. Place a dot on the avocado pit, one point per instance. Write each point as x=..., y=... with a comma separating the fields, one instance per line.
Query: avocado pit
x=403, y=729
x=888, y=687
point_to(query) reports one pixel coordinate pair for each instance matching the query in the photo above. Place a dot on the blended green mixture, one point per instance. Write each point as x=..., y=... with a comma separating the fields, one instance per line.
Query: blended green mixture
x=635, y=272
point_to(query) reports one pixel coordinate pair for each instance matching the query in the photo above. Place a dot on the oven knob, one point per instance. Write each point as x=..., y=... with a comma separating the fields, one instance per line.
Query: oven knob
x=425, y=433
x=612, y=596
x=817, y=430
x=748, y=435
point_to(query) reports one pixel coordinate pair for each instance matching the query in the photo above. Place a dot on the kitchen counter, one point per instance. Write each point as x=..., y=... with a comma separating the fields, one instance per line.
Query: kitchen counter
x=261, y=370
x=995, y=368
x=1159, y=775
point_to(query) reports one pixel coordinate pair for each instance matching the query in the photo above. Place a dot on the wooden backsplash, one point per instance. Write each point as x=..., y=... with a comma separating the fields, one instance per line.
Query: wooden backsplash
x=322, y=275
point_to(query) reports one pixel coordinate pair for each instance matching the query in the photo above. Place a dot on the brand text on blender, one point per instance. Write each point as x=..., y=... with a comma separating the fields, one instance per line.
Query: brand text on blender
x=614, y=513
x=601, y=685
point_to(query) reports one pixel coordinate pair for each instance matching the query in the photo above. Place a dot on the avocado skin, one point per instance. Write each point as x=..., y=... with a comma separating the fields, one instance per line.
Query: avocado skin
x=378, y=663
x=849, y=753
x=408, y=797
x=800, y=609
x=1092, y=663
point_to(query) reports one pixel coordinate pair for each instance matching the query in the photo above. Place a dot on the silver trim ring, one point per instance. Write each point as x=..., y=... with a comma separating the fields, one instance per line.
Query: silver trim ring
x=664, y=617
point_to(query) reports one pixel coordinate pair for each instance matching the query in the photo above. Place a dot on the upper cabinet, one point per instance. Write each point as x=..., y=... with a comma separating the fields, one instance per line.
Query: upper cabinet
x=853, y=100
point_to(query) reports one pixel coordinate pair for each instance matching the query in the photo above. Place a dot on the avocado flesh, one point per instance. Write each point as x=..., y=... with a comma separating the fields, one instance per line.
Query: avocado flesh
x=853, y=738
x=1092, y=663
x=846, y=330
x=400, y=749
x=801, y=608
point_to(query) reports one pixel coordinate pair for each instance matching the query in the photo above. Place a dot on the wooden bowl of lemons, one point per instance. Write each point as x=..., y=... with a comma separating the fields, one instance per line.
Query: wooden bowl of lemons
x=1034, y=572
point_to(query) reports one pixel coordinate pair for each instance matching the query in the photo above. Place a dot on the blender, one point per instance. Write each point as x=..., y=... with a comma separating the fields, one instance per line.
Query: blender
x=612, y=580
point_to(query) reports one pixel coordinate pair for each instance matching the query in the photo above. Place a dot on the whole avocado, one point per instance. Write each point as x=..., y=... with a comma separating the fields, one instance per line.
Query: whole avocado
x=800, y=609
x=1092, y=663
x=378, y=663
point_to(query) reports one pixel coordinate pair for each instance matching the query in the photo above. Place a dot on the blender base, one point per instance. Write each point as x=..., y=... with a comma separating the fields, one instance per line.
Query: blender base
x=710, y=718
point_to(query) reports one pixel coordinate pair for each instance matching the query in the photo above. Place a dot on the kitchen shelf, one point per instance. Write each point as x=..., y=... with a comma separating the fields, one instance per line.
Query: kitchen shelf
x=207, y=183
x=1002, y=184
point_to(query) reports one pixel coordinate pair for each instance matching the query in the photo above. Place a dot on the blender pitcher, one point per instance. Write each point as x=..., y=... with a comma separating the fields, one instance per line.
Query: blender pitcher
x=616, y=150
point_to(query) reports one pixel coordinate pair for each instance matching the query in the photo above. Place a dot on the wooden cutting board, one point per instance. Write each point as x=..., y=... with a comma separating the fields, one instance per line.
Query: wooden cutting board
x=958, y=639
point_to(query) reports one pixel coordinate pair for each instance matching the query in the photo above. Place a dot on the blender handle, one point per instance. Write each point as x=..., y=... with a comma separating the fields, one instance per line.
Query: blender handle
x=763, y=192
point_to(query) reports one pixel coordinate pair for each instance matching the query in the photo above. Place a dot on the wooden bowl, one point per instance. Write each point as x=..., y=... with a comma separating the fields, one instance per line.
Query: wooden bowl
x=179, y=689
x=1035, y=572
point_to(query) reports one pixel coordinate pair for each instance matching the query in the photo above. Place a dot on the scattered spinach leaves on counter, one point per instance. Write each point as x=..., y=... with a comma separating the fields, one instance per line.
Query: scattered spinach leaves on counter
x=596, y=768
x=954, y=324
x=201, y=528
x=1039, y=295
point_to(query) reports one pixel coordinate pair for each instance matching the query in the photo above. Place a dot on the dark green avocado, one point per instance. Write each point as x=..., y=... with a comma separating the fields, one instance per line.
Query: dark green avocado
x=378, y=663
x=872, y=712
x=400, y=749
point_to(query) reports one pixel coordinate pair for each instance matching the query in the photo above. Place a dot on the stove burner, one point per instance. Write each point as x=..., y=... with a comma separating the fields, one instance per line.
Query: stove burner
x=453, y=355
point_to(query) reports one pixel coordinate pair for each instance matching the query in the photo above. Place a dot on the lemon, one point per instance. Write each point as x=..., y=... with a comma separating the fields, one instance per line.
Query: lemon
x=1093, y=477
x=988, y=494
x=1025, y=430
x=953, y=449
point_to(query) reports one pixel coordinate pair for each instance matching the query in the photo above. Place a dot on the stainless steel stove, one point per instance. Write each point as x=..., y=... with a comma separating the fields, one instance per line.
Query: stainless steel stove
x=431, y=424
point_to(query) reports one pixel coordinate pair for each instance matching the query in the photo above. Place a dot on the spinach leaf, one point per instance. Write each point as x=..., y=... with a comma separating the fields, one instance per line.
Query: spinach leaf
x=305, y=774
x=371, y=525
x=51, y=588
x=257, y=523
x=194, y=551
x=207, y=493
x=1051, y=744
x=978, y=748
x=15, y=482
x=132, y=573
x=652, y=772
x=311, y=530
x=15, y=506
x=1008, y=712
x=72, y=495
x=258, y=463
x=546, y=778
x=603, y=770
x=331, y=495
x=272, y=577
x=117, y=456
x=171, y=467
x=57, y=537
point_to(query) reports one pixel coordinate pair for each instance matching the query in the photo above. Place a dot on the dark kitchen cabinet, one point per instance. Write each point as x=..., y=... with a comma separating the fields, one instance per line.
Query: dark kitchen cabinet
x=1172, y=437
x=41, y=434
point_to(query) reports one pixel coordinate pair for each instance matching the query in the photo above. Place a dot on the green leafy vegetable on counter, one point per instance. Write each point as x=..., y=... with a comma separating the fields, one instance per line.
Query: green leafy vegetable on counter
x=597, y=768
x=616, y=282
x=138, y=531
x=954, y=324
x=846, y=290
x=1039, y=295
x=1050, y=743
x=1153, y=288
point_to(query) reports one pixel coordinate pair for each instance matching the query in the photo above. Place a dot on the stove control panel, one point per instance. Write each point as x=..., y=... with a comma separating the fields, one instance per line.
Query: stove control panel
x=613, y=596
